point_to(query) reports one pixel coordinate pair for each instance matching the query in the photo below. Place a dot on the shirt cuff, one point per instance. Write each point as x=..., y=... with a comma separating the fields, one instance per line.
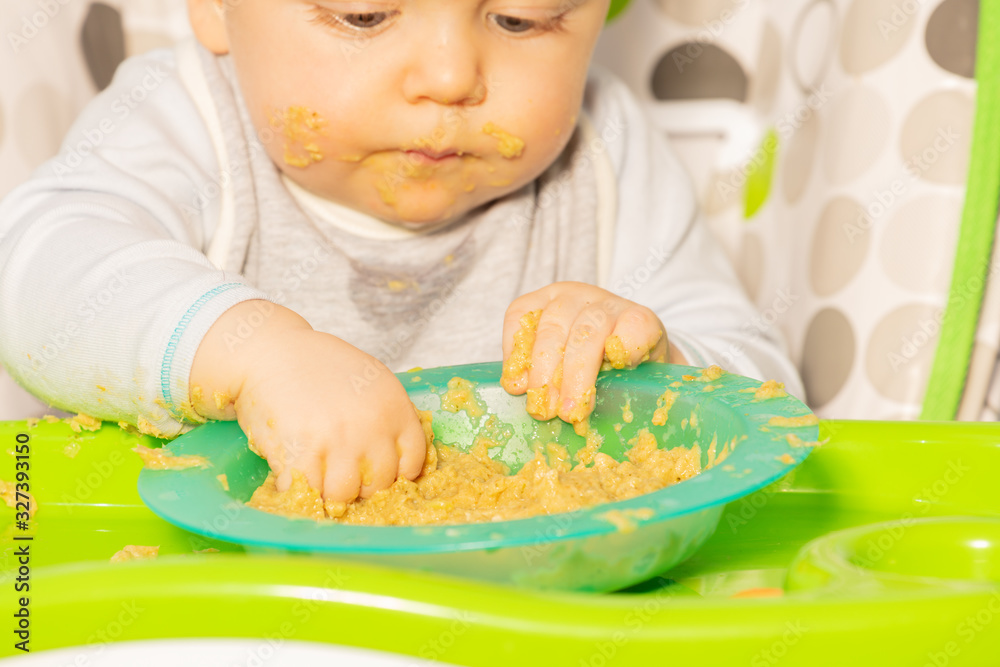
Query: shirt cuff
x=180, y=349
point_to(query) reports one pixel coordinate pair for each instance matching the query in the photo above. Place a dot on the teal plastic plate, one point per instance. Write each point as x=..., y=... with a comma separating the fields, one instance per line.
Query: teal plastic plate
x=585, y=550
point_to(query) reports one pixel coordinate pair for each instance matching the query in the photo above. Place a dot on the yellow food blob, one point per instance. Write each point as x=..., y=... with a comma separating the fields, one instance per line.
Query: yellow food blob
x=10, y=495
x=387, y=193
x=624, y=520
x=615, y=355
x=82, y=422
x=510, y=146
x=519, y=361
x=792, y=422
x=627, y=411
x=663, y=405
x=157, y=459
x=461, y=395
x=707, y=375
x=302, y=127
x=135, y=552
x=770, y=389
x=542, y=403
x=147, y=427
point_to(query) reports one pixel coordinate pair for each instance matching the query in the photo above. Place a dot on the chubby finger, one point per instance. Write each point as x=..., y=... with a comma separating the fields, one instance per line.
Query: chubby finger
x=583, y=359
x=378, y=468
x=638, y=336
x=296, y=455
x=545, y=375
x=259, y=434
x=342, y=480
x=263, y=441
x=276, y=462
x=411, y=446
x=520, y=324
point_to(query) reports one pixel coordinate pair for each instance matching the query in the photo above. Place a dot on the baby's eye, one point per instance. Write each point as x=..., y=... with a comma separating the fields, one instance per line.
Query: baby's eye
x=513, y=23
x=366, y=20
x=352, y=22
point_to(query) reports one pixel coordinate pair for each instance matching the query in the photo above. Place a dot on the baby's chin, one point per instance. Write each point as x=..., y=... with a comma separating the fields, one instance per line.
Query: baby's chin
x=424, y=212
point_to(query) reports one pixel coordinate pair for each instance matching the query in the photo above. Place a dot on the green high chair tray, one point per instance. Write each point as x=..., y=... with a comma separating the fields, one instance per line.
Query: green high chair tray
x=880, y=548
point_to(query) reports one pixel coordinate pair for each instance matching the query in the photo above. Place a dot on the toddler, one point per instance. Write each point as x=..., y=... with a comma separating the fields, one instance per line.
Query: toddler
x=264, y=222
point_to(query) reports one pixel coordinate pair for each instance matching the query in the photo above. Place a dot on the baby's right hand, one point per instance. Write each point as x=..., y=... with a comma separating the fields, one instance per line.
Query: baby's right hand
x=311, y=402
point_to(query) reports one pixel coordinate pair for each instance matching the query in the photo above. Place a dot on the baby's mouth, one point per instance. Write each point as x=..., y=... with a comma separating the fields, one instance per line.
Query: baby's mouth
x=428, y=156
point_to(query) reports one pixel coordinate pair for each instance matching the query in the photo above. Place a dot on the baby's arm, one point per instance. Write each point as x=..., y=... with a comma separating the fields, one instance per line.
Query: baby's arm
x=669, y=287
x=107, y=297
x=308, y=401
x=104, y=287
x=666, y=258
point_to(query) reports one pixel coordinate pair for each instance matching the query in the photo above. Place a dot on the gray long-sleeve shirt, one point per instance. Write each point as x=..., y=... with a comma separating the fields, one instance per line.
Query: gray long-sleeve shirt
x=162, y=211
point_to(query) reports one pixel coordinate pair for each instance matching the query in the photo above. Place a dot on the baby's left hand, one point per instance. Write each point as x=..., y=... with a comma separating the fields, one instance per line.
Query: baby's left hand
x=556, y=339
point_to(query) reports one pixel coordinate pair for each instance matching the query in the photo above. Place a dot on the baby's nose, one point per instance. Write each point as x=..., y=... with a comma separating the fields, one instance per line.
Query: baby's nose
x=447, y=71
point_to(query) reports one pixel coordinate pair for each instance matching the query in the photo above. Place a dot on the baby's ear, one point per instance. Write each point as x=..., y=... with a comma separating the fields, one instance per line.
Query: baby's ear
x=209, y=26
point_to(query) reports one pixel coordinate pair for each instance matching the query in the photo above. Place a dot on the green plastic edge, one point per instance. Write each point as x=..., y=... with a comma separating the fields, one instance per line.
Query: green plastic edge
x=975, y=243
x=615, y=8
x=759, y=179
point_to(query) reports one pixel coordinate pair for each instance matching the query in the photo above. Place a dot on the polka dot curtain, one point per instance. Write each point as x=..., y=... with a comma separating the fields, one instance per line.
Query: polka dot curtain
x=55, y=56
x=832, y=167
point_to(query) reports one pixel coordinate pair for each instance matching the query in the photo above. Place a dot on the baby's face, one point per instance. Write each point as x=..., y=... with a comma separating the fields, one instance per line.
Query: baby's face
x=414, y=111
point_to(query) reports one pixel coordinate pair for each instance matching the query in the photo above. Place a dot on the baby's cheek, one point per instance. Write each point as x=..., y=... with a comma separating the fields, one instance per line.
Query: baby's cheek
x=302, y=129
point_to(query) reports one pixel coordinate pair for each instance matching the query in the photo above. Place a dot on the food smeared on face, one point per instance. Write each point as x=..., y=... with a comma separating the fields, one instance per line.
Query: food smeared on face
x=510, y=146
x=301, y=127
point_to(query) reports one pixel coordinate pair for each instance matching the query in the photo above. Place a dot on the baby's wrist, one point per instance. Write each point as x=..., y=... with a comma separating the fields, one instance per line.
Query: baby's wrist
x=244, y=337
